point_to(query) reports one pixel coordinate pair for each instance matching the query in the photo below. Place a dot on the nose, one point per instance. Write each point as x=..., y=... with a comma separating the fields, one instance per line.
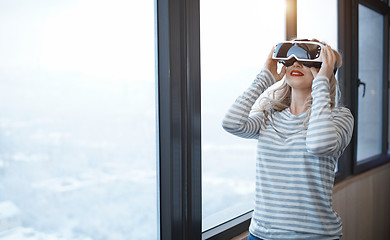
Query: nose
x=297, y=64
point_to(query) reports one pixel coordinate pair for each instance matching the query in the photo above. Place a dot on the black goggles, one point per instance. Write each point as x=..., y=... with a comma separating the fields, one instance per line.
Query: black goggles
x=291, y=61
x=306, y=52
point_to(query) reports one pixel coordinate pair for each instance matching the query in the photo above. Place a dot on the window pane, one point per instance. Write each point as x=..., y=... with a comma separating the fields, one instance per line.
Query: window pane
x=321, y=25
x=234, y=47
x=370, y=72
x=77, y=124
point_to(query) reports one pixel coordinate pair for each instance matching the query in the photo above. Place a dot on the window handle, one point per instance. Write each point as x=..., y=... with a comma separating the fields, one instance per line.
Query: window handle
x=364, y=86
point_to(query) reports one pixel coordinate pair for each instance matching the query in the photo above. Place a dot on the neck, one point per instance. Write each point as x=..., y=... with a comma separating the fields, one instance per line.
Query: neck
x=298, y=100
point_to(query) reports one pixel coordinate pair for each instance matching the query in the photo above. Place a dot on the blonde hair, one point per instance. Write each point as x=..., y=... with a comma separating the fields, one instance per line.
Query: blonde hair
x=281, y=96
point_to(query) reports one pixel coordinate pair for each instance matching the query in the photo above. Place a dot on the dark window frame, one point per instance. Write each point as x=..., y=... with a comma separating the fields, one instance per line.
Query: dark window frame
x=346, y=74
x=383, y=9
x=178, y=119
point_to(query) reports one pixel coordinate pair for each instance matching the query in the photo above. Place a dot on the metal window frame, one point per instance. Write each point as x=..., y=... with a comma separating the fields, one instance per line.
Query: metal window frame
x=178, y=121
x=346, y=31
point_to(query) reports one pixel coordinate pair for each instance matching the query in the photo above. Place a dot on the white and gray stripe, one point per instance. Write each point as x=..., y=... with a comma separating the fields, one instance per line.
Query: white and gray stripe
x=295, y=163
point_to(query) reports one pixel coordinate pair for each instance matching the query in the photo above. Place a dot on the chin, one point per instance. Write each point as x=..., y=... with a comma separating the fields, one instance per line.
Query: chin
x=299, y=83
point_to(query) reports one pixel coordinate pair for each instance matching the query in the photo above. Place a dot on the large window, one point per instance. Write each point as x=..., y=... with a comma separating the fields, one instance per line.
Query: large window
x=77, y=124
x=78, y=111
x=234, y=46
x=369, y=143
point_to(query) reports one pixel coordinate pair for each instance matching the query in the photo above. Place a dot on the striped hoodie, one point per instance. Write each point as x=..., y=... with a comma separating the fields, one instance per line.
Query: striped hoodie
x=295, y=162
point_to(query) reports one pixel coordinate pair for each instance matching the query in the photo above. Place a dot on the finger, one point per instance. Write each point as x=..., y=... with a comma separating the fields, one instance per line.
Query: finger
x=331, y=57
x=284, y=69
x=282, y=72
x=334, y=58
x=324, y=53
x=314, y=71
x=271, y=52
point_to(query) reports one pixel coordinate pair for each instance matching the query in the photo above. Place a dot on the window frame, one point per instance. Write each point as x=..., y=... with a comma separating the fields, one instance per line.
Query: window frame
x=346, y=31
x=383, y=9
x=178, y=119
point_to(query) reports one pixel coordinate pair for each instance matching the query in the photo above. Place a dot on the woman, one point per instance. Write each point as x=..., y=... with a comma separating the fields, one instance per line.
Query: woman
x=301, y=135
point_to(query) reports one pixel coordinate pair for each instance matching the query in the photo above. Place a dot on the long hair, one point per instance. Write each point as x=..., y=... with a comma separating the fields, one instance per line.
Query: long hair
x=280, y=98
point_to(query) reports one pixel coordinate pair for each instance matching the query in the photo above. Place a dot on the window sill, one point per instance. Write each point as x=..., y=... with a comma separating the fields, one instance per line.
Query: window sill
x=230, y=229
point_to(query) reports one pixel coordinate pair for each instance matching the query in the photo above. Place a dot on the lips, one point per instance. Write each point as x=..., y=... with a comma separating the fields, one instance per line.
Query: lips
x=296, y=73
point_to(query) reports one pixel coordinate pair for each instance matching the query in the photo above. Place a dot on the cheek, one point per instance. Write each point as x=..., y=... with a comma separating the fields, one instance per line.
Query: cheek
x=309, y=79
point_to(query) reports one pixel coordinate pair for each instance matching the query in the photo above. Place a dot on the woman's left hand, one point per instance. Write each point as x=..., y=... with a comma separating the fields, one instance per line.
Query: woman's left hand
x=328, y=63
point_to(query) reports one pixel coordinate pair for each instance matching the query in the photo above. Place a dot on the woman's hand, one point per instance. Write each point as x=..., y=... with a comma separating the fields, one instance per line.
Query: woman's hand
x=272, y=66
x=328, y=63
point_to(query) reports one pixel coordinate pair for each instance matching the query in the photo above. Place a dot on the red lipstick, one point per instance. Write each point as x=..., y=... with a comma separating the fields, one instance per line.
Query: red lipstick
x=296, y=73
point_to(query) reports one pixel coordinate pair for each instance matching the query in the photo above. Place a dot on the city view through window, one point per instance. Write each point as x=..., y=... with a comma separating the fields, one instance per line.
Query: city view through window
x=77, y=122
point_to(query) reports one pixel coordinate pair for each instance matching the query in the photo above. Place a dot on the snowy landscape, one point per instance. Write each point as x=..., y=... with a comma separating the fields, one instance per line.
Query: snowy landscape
x=77, y=122
x=72, y=171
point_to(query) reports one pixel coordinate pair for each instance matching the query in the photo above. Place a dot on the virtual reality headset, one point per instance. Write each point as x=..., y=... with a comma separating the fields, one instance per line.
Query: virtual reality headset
x=306, y=52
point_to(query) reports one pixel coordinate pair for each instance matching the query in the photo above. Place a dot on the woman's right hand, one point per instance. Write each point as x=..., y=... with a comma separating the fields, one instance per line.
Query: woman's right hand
x=272, y=66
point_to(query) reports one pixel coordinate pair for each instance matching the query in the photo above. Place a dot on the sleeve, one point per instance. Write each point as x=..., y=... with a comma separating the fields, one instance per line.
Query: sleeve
x=237, y=120
x=328, y=133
